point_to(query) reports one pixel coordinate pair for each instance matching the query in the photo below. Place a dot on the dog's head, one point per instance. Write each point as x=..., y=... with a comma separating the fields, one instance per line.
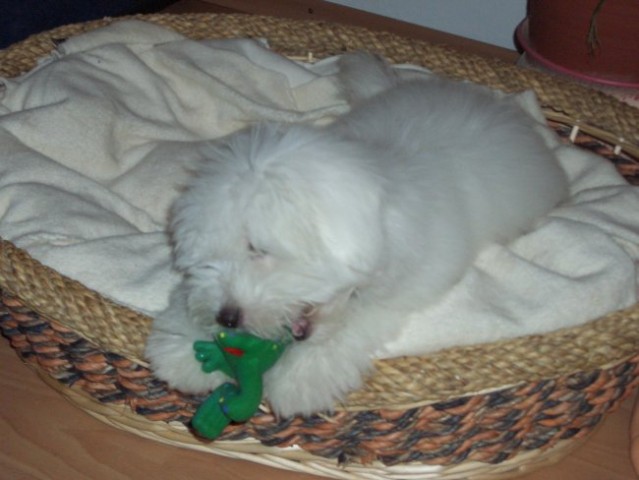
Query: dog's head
x=284, y=224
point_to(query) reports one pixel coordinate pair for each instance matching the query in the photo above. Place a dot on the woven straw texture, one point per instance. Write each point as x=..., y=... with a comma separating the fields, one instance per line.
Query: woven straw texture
x=491, y=403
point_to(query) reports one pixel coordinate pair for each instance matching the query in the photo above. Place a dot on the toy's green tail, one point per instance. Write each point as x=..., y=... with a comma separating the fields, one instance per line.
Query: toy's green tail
x=209, y=421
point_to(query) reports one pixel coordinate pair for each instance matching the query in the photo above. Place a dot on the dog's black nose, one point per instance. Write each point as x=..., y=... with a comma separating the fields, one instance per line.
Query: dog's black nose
x=229, y=316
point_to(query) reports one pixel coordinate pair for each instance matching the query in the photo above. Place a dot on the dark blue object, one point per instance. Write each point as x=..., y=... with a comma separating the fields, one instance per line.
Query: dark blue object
x=21, y=18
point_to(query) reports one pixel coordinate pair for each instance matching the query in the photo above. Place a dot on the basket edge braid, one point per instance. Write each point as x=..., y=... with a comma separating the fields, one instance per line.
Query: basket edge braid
x=492, y=428
x=583, y=104
x=301, y=461
x=101, y=321
x=57, y=297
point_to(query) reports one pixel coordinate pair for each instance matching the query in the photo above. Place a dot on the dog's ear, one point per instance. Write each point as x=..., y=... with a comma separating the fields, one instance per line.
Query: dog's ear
x=341, y=193
x=202, y=221
x=353, y=232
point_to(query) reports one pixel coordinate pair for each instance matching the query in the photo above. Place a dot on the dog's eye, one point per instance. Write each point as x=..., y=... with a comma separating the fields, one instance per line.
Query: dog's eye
x=209, y=266
x=256, y=252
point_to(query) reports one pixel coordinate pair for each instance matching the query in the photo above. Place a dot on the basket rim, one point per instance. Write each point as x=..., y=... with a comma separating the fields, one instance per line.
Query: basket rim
x=122, y=330
x=587, y=107
x=490, y=428
x=298, y=460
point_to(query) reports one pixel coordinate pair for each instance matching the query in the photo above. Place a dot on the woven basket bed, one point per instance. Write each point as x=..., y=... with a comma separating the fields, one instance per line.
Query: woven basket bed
x=486, y=411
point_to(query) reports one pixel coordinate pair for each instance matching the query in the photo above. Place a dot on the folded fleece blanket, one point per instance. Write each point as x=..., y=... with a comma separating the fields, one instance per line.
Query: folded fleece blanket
x=96, y=142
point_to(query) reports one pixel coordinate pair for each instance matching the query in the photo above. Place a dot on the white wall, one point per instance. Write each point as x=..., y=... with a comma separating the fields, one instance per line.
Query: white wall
x=490, y=21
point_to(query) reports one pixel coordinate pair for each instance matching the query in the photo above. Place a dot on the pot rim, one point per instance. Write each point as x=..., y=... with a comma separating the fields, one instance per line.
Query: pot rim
x=521, y=34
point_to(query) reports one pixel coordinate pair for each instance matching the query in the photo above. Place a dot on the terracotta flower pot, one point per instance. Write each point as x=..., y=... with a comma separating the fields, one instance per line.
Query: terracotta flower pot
x=585, y=39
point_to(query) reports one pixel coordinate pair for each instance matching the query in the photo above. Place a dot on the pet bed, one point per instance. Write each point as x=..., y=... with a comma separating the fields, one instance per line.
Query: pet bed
x=466, y=411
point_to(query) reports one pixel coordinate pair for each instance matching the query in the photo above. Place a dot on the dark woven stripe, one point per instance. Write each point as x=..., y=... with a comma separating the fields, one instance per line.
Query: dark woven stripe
x=490, y=428
x=627, y=166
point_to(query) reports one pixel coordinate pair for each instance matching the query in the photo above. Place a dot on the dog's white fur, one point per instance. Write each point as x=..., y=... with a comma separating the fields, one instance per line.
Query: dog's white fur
x=366, y=220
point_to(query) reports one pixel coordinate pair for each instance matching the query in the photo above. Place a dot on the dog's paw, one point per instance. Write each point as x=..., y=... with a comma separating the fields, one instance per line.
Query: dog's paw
x=310, y=379
x=173, y=360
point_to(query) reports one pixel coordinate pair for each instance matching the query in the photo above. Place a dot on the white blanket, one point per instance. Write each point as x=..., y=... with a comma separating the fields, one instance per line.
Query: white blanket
x=96, y=142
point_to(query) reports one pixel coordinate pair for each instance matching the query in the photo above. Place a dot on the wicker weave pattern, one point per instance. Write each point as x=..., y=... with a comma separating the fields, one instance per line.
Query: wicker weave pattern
x=491, y=427
x=105, y=323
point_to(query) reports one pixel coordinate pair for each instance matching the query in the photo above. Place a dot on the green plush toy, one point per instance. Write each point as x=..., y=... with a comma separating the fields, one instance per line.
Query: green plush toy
x=245, y=358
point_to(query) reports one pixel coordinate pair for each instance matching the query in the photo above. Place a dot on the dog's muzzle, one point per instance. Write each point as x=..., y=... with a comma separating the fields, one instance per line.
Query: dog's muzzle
x=230, y=316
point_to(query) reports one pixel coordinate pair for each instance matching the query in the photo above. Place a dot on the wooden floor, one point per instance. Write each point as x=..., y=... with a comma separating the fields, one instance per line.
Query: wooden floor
x=42, y=436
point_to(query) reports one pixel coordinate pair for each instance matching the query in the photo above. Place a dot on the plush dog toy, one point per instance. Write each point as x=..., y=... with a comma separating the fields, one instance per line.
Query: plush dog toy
x=243, y=357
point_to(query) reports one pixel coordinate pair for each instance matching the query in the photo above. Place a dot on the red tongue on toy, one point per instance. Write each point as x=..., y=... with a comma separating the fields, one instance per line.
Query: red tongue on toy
x=236, y=352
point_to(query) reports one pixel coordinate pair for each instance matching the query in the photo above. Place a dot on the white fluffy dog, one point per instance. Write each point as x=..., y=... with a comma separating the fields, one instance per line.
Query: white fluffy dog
x=337, y=233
